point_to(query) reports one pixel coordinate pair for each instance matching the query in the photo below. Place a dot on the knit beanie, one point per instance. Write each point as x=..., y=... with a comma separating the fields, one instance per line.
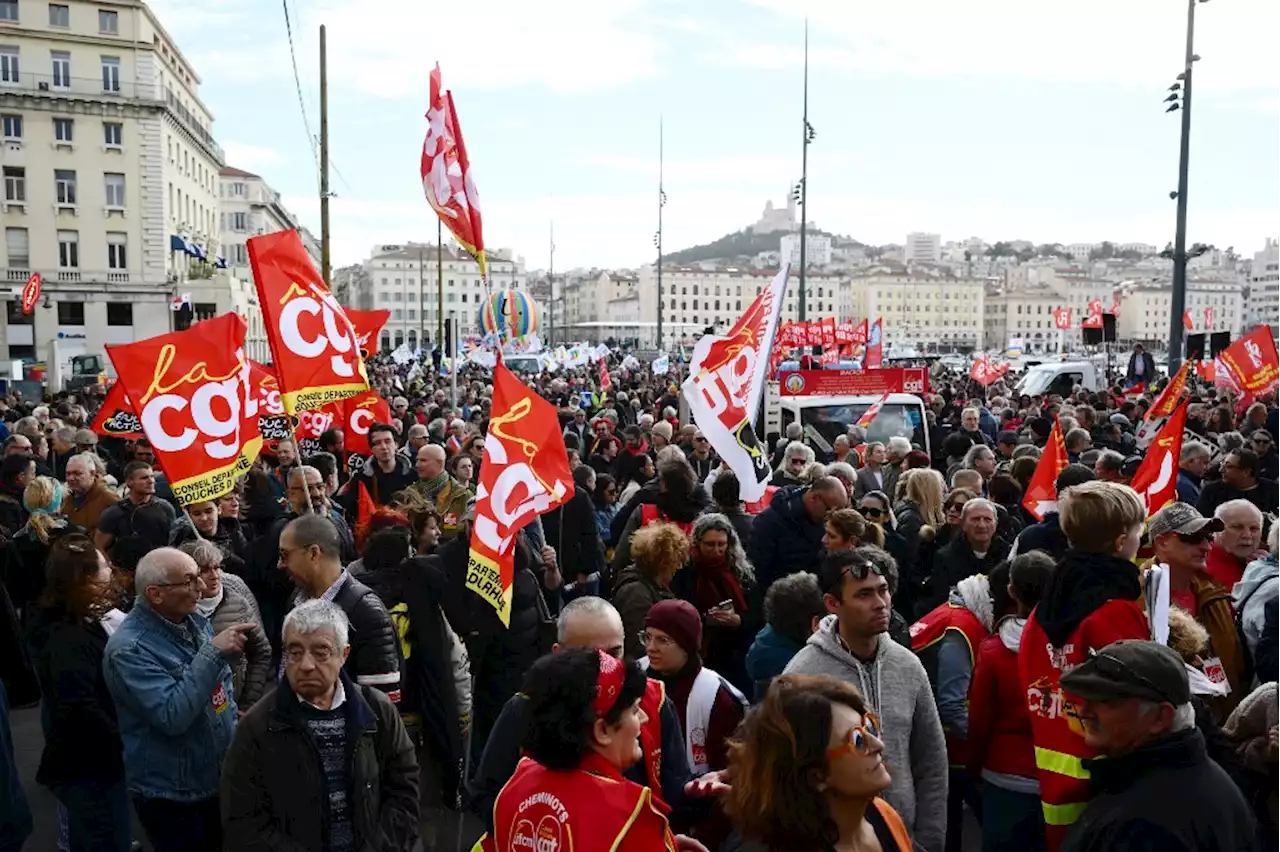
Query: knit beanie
x=679, y=620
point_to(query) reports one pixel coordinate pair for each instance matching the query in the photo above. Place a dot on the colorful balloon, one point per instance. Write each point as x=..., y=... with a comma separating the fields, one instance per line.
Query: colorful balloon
x=509, y=314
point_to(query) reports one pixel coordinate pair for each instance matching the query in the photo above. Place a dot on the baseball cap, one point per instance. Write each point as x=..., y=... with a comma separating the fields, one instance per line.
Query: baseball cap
x=1008, y=436
x=1131, y=668
x=1181, y=518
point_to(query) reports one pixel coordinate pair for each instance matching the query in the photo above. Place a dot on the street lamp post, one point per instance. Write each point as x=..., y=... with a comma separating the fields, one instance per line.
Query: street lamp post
x=803, y=189
x=657, y=238
x=1178, y=300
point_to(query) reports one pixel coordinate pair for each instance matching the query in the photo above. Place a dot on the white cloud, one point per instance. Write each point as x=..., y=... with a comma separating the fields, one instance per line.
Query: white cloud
x=1137, y=43
x=243, y=155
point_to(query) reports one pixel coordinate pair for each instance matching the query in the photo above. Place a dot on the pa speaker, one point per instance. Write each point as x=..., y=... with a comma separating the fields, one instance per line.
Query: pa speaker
x=1092, y=336
x=1218, y=341
x=1195, y=347
x=1109, y=328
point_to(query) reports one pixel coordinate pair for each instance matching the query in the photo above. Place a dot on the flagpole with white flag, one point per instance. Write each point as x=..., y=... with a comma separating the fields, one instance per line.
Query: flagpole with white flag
x=726, y=382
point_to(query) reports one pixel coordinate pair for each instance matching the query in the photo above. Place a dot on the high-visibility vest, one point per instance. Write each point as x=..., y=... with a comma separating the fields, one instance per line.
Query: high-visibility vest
x=926, y=637
x=651, y=514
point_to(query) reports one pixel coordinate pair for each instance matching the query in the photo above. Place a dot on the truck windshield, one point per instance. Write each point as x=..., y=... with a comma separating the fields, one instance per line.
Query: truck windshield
x=894, y=420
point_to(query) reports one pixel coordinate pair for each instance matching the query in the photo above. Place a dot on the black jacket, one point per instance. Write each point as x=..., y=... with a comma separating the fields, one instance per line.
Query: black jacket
x=375, y=649
x=571, y=531
x=273, y=796
x=953, y=563
x=1167, y=795
x=228, y=537
x=81, y=734
x=502, y=753
x=379, y=485
x=1149, y=368
x=1046, y=535
x=784, y=539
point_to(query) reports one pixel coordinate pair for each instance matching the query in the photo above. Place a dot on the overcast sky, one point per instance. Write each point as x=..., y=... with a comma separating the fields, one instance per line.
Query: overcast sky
x=997, y=118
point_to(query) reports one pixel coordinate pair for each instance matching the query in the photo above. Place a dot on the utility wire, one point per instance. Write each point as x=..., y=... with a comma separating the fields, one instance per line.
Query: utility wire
x=297, y=82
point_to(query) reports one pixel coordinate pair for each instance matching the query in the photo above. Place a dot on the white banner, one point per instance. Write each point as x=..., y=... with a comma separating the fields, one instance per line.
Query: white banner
x=660, y=365
x=402, y=355
x=727, y=376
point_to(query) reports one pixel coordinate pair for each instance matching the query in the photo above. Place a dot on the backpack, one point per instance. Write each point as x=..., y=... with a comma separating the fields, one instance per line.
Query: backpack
x=1248, y=669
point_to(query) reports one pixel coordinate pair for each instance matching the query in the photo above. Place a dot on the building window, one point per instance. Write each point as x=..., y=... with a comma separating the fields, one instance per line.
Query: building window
x=8, y=64
x=59, y=15
x=239, y=222
x=108, y=21
x=62, y=129
x=8, y=10
x=110, y=73
x=112, y=134
x=61, y=62
x=117, y=258
x=71, y=313
x=383, y=297
x=238, y=189
x=398, y=314
x=15, y=183
x=115, y=189
x=69, y=249
x=15, y=242
x=240, y=254
x=65, y=183
x=119, y=313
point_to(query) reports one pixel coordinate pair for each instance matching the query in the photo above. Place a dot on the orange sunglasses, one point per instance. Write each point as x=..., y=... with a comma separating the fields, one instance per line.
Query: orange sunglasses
x=856, y=742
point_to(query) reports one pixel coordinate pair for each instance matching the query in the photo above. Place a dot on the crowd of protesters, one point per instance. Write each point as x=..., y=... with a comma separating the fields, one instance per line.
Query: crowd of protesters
x=892, y=653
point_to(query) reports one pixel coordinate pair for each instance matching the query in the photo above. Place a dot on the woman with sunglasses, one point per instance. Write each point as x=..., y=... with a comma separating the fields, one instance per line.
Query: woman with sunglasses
x=808, y=768
x=874, y=506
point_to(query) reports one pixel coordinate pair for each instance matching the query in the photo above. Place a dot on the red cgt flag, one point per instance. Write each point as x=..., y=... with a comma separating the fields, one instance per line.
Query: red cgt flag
x=1062, y=318
x=984, y=372
x=829, y=331
x=874, y=356
x=1042, y=491
x=195, y=403
x=446, y=174
x=273, y=424
x=525, y=473
x=359, y=412
x=367, y=326
x=1252, y=360
x=1171, y=395
x=1187, y=322
x=315, y=349
x=860, y=333
x=365, y=507
x=116, y=417
x=1156, y=479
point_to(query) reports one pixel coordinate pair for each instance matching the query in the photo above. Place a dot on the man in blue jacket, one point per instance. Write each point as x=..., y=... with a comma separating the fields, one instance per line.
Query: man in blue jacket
x=787, y=536
x=169, y=678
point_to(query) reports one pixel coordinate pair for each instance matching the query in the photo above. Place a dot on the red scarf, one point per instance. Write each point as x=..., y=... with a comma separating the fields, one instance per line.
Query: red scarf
x=714, y=582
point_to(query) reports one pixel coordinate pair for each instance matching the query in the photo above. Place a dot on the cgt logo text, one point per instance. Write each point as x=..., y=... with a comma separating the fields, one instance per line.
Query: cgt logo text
x=542, y=825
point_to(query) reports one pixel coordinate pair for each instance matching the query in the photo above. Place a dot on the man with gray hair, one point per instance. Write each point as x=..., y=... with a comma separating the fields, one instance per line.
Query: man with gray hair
x=87, y=494
x=1239, y=542
x=62, y=446
x=976, y=550
x=320, y=738
x=171, y=684
x=415, y=439
x=895, y=452
x=592, y=623
x=1192, y=464
x=1154, y=785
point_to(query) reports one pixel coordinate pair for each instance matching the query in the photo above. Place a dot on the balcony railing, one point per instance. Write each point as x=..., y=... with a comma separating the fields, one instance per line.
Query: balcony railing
x=90, y=87
x=194, y=126
x=19, y=275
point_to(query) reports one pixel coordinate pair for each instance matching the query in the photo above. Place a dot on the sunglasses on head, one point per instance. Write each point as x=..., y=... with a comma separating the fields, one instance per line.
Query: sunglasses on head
x=856, y=742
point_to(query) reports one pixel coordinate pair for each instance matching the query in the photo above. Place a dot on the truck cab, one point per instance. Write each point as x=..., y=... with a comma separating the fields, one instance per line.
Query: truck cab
x=1061, y=378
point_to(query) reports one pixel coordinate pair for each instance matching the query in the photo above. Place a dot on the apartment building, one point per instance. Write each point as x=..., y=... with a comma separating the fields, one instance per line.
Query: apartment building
x=249, y=207
x=927, y=313
x=1145, y=310
x=1264, y=288
x=1023, y=314
x=107, y=155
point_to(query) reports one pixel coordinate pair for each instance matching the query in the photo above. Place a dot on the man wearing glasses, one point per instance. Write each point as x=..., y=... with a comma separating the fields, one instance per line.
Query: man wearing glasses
x=1241, y=480
x=171, y=684
x=1154, y=785
x=1182, y=538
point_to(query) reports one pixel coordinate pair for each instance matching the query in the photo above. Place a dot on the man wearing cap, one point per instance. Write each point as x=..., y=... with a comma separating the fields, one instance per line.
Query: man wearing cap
x=1182, y=538
x=1006, y=443
x=1154, y=786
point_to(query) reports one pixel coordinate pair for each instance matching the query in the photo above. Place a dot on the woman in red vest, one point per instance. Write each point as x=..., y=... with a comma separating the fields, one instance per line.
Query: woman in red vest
x=568, y=792
x=807, y=770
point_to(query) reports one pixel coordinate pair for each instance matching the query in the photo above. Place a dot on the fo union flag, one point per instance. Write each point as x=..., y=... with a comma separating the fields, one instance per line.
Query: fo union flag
x=525, y=473
x=315, y=349
x=195, y=402
x=726, y=380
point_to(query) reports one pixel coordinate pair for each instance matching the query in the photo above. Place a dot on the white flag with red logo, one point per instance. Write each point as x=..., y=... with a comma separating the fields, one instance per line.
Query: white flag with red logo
x=1042, y=491
x=726, y=380
x=869, y=416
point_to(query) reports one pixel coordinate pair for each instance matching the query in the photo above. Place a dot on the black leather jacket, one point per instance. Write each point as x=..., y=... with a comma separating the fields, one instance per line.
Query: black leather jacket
x=375, y=651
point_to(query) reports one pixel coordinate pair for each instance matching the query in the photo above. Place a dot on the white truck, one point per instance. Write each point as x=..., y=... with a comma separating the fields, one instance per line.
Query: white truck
x=1061, y=378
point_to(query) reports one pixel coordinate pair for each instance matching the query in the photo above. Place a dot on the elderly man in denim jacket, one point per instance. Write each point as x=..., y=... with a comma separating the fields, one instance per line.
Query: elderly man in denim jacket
x=169, y=678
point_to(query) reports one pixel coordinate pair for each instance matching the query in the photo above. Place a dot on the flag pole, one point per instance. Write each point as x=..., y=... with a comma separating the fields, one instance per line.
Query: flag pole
x=440, y=287
x=662, y=200
x=324, y=159
x=804, y=173
x=551, y=290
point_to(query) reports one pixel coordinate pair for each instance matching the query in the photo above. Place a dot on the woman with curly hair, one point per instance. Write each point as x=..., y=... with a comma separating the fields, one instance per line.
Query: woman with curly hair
x=568, y=790
x=721, y=584
x=658, y=551
x=807, y=769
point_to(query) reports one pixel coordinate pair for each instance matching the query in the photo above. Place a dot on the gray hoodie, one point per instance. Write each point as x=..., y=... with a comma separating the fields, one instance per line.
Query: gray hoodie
x=1258, y=585
x=896, y=687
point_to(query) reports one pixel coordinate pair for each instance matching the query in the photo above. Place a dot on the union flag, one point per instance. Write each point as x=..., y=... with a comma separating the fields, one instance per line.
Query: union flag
x=1042, y=491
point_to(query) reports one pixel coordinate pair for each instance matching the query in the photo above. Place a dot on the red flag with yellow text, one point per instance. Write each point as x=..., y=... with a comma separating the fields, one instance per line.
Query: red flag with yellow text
x=195, y=403
x=116, y=417
x=1156, y=479
x=525, y=473
x=1041, y=496
x=1169, y=398
x=314, y=348
x=1252, y=360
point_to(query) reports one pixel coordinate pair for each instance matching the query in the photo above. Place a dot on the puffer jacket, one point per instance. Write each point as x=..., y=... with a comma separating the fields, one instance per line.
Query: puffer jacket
x=251, y=668
x=375, y=647
x=634, y=594
x=784, y=539
x=1259, y=587
x=273, y=793
x=228, y=537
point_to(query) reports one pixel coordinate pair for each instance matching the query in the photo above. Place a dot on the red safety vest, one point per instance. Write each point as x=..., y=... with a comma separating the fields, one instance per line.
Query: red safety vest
x=927, y=633
x=590, y=807
x=650, y=514
x=1056, y=731
x=655, y=693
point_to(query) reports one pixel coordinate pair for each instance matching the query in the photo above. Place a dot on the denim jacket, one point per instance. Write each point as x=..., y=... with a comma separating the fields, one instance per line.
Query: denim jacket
x=174, y=703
